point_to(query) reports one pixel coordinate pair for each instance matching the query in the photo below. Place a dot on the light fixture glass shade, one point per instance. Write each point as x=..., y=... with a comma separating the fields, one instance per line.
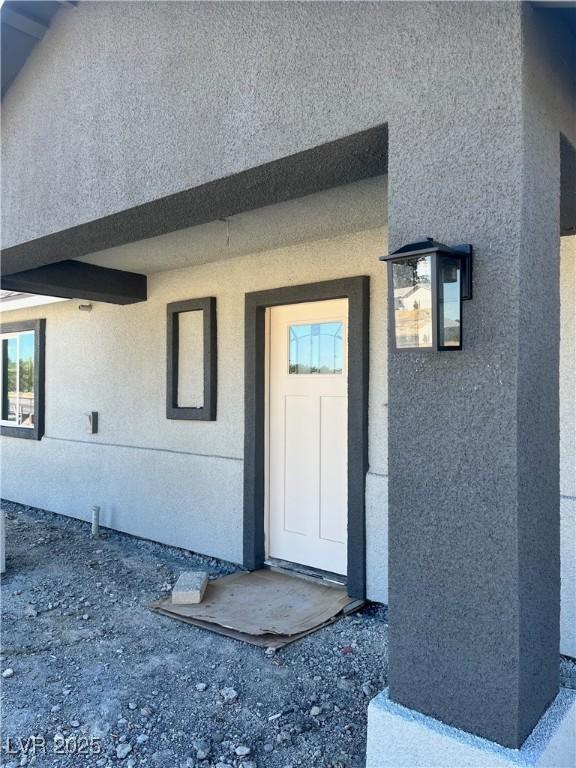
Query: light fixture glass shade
x=449, y=302
x=412, y=292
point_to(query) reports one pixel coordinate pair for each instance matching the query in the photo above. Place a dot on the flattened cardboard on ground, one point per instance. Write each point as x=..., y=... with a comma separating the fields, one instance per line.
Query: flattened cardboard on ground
x=265, y=608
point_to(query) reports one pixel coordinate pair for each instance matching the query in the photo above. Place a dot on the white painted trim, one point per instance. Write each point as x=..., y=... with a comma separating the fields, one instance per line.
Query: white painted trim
x=267, y=433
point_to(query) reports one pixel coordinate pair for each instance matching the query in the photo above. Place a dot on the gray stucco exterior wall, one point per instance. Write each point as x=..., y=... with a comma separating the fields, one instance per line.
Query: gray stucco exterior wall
x=141, y=100
x=162, y=479
x=123, y=103
x=474, y=524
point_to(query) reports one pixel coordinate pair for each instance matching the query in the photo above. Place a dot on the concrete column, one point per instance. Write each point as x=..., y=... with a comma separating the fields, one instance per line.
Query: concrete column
x=473, y=435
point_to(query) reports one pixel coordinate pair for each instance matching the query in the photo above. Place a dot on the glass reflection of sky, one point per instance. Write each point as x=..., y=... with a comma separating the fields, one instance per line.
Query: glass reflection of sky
x=424, y=269
x=316, y=348
x=18, y=384
x=451, y=301
x=27, y=346
x=450, y=290
x=10, y=350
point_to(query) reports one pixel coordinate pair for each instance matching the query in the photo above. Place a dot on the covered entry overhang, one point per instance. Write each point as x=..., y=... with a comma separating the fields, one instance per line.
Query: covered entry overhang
x=74, y=263
x=82, y=262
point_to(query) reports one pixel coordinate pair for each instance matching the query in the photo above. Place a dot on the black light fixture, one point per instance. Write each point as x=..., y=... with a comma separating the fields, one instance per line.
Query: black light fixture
x=427, y=282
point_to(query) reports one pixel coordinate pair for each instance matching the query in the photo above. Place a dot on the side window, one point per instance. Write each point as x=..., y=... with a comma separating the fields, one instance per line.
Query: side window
x=22, y=373
x=191, y=360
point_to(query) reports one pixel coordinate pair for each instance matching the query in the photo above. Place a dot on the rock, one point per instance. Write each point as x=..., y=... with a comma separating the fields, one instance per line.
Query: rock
x=201, y=686
x=190, y=587
x=75, y=723
x=123, y=750
x=367, y=689
x=345, y=684
x=131, y=705
x=315, y=711
x=202, y=748
x=242, y=751
x=142, y=738
x=229, y=695
x=85, y=617
x=268, y=747
x=227, y=745
x=8, y=673
x=56, y=708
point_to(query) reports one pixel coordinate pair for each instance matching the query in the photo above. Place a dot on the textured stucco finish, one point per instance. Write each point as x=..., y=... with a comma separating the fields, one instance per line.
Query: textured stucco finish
x=155, y=494
x=474, y=527
x=213, y=88
x=401, y=738
x=135, y=492
x=122, y=103
x=163, y=479
x=474, y=101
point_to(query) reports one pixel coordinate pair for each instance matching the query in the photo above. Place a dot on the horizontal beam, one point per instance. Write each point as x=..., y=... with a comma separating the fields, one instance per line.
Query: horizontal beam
x=76, y=280
x=352, y=158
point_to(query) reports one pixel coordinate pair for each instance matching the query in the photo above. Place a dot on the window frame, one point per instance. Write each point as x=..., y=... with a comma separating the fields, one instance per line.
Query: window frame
x=208, y=410
x=39, y=328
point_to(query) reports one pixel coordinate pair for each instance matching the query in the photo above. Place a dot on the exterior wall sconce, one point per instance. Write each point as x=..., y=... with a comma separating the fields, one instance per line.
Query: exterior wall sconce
x=427, y=282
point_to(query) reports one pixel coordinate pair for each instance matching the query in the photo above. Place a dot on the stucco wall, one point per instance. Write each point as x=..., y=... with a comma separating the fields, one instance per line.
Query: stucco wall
x=124, y=102
x=164, y=479
x=255, y=82
x=568, y=444
x=175, y=481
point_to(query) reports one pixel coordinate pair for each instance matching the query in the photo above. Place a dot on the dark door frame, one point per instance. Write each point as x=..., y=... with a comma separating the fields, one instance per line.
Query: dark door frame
x=357, y=291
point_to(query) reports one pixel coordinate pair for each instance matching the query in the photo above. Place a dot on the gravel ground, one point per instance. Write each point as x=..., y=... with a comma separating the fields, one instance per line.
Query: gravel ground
x=86, y=665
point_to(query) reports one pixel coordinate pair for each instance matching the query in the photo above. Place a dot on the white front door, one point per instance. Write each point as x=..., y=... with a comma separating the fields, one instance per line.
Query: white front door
x=308, y=434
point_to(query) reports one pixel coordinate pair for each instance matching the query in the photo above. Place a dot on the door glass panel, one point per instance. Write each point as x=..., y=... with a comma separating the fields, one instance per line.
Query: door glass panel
x=316, y=348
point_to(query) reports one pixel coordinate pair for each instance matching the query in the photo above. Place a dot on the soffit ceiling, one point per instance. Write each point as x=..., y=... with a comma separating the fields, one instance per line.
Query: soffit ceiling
x=350, y=208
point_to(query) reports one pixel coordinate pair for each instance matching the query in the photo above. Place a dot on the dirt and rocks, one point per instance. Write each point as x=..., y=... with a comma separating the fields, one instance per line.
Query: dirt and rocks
x=91, y=677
